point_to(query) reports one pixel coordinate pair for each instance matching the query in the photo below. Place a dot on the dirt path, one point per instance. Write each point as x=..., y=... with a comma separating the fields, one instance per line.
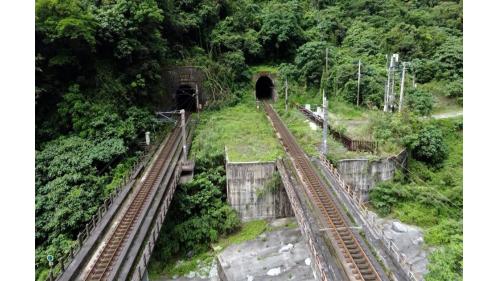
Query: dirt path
x=448, y=114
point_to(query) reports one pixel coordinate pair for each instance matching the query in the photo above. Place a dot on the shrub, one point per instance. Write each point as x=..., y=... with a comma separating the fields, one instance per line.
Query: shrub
x=454, y=88
x=198, y=215
x=429, y=146
x=235, y=61
x=386, y=195
x=310, y=60
x=420, y=101
x=446, y=263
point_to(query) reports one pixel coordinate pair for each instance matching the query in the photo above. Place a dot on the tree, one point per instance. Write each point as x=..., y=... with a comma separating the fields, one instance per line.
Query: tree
x=419, y=101
x=281, y=31
x=449, y=59
x=310, y=60
x=429, y=146
x=235, y=61
x=402, y=39
x=325, y=25
x=362, y=38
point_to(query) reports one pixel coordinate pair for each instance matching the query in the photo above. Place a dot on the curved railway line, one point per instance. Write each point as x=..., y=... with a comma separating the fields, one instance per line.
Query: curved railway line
x=359, y=265
x=108, y=255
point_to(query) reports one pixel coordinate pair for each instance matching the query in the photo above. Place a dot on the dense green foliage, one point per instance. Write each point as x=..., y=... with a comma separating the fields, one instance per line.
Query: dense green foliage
x=431, y=197
x=429, y=36
x=421, y=137
x=201, y=261
x=198, y=215
x=100, y=75
x=420, y=101
x=429, y=146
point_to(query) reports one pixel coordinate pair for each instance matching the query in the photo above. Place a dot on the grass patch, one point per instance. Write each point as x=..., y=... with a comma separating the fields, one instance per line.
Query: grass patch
x=310, y=139
x=344, y=117
x=347, y=111
x=243, y=129
x=263, y=68
x=202, y=261
x=307, y=137
x=431, y=197
x=444, y=104
x=199, y=262
x=249, y=231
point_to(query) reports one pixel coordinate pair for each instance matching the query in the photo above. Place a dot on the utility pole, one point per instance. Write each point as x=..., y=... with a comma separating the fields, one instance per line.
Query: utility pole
x=402, y=87
x=326, y=62
x=359, y=80
x=325, y=123
x=197, y=100
x=183, y=126
x=386, y=94
x=286, y=94
x=391, y=96
x=388, y=104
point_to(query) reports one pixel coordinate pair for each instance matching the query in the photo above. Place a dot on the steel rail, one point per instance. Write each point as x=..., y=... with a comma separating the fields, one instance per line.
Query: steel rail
x=360, y=266
x=114, y=245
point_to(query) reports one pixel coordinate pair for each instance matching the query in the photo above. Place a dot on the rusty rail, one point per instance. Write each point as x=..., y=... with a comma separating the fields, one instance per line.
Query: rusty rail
x=114, y=245
x=354, y=199
x=63, y=262
x=320, y=262
x=359, y=265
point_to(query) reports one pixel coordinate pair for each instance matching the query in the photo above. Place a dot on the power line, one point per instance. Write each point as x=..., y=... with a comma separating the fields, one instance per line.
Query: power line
x=425, y=184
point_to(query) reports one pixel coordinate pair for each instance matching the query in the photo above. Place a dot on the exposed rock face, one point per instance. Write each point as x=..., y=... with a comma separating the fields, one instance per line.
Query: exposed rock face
x=277, y=255
x=409, y=240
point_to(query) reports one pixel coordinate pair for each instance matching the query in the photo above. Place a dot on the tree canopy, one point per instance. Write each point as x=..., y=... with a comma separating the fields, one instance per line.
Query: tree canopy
x=100, y=69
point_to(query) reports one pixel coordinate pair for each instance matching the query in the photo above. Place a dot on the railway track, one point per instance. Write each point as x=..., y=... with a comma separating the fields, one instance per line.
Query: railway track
x=109, y=253
x=359, y=265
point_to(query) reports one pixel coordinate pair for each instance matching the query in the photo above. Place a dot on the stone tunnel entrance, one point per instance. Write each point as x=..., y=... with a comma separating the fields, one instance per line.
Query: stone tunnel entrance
x=264, y=88
x=185, y=98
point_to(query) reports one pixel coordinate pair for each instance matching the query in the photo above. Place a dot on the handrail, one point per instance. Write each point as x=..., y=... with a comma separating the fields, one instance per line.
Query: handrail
x=60, y=264
x=355, y=199
x=348, y=142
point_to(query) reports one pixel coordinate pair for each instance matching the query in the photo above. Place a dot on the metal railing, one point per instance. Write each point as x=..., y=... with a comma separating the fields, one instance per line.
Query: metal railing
x=356, y=201
x=349, y=143
x=61, y=263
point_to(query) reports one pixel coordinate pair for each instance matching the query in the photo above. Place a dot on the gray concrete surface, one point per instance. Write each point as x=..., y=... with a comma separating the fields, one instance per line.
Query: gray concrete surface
x=246, y=191
x=280, y=254
x=409, y=240
x=363, y=174
x=277, y=255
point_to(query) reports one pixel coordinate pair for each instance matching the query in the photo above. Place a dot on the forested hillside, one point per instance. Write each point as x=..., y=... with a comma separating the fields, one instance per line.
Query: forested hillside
x=100, y=64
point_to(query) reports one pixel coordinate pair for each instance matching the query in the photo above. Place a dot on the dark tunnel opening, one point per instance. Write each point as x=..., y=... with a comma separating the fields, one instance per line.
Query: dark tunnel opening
x=185, y=98
x=264, y=88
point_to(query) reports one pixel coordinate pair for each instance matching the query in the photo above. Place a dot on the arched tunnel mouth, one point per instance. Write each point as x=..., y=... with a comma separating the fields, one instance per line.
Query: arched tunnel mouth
x=264, y=88
x=185, y=98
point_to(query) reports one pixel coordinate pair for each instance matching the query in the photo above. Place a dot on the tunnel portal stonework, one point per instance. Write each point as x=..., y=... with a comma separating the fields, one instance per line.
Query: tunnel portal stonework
x=265, y=75
x=177, y=78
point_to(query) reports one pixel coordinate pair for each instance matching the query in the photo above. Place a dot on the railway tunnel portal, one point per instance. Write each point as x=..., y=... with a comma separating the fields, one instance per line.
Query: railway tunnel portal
x=265, y=87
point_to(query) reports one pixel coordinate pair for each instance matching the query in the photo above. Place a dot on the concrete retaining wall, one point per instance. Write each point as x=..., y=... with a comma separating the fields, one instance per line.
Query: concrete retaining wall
x=247, y=194
x=363, y=174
